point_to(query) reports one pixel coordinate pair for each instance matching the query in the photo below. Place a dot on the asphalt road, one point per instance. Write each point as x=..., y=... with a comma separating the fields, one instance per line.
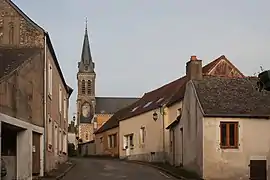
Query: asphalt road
x=101, y=169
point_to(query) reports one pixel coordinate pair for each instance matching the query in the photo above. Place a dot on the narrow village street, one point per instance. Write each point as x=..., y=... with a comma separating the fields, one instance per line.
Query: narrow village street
x=100, y=169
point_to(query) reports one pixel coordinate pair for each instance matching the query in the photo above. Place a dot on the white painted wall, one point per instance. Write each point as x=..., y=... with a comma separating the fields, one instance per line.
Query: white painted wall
x=189, y=153
x=254, y=140
x=72, y=139
x=24, y=146
x=153, y=138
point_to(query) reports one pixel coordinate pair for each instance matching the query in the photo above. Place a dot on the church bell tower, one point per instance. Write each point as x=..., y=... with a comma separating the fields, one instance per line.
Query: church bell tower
x=86, y=102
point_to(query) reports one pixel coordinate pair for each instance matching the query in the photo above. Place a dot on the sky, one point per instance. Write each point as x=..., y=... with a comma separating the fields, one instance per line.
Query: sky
x=140, y=45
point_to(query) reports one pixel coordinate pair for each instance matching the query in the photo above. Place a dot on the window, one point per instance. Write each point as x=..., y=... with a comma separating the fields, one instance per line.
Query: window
x=64, y=142
x=50, y=127
x=60, y=140
x=131, y=140
x=101, y=139
x=112, y=141
x=142, y=135
x=55, y=139
x=50, y=80
x=146, y=105
x=65, y=108
x=60, y=98
x=89, y=87
x=229, y=134
x=83, y=86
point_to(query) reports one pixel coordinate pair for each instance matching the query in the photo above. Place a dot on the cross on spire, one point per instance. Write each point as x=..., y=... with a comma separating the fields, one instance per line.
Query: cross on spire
x=86, y=24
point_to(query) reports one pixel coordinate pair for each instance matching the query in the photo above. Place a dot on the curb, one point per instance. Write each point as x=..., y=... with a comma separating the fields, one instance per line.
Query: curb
x=66, y=171
x=159, y=168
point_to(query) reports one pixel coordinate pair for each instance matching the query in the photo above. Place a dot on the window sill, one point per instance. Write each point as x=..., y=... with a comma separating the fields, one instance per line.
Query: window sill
x=229, y=147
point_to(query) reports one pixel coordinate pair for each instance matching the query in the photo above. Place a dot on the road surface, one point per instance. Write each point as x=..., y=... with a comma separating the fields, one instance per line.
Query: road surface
x=101, y=169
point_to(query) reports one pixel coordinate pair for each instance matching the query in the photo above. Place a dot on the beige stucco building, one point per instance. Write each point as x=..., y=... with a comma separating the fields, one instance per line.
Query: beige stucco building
x=146, y=120
x=223, y=129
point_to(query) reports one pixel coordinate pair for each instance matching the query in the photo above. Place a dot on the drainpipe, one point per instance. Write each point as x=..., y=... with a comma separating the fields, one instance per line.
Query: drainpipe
x=163, y=132
x=45, y=102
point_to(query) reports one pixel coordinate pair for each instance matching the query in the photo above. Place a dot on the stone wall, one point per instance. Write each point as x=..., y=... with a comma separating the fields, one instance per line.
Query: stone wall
x=18, y=30
x=21, y=92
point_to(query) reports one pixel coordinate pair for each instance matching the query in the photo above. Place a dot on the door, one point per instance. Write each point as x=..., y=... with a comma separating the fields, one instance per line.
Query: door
x=173, y=145
x=258, y=169
x=127, y=146
x=182, y=146
x=35, y=153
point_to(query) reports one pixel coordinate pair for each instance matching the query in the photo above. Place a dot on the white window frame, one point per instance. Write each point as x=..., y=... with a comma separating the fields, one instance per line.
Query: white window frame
x=65, y=108
x=142, y=135
x=60, y=140
x=55, y=139
x=50, y=79
x=60, y=98
x=111, y=139
x=50, y=133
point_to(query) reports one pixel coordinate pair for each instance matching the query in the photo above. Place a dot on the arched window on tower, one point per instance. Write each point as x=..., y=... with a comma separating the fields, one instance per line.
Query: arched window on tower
x=83, y=86
x=89, y=87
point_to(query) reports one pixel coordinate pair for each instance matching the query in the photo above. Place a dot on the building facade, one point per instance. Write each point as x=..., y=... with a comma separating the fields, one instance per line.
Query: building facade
x=218, y=131
x=29, y=71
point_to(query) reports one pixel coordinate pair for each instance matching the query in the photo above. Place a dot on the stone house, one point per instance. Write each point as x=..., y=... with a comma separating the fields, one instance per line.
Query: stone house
x=29, y=71
x=222, y=132
x=142, y=131
x=219, y=67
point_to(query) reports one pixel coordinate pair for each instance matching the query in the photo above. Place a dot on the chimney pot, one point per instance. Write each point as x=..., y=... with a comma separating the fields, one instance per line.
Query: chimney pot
x=193, y=58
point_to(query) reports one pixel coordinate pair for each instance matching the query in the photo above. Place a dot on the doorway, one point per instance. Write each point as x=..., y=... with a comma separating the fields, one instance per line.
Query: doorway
x=128, y=144
x=182, y=146
x=35, y=154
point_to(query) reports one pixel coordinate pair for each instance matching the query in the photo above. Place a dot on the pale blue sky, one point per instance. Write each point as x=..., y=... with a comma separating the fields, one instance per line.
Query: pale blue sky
x=139, y=45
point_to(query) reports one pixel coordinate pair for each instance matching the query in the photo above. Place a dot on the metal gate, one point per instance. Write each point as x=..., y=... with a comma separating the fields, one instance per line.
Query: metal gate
x=258, y=170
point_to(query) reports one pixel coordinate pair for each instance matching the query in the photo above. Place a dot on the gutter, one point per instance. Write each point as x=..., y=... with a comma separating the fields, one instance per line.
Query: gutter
x=238, y=116
x=45, y=102
x=161, y=108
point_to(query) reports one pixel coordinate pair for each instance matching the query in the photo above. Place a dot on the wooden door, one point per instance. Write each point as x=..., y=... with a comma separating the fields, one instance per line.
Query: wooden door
x=36, y=154
x=258, y=169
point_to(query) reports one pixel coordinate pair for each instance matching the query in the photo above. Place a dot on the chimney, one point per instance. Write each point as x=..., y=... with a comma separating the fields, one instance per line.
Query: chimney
x=194, y=69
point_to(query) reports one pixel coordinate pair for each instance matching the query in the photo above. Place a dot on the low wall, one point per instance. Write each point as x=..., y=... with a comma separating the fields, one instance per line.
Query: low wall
x=147, y=157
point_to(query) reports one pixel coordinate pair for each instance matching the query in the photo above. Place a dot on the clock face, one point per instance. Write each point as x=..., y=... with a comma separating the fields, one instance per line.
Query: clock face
x=86, y=110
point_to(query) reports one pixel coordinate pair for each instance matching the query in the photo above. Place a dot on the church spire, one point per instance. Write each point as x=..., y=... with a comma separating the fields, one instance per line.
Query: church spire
x=86, y=63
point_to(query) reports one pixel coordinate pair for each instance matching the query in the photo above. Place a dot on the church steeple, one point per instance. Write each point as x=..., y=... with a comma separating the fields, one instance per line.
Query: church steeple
x=86, y=64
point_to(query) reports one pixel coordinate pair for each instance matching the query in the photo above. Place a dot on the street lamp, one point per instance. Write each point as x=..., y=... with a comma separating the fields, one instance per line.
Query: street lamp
x=155, y=116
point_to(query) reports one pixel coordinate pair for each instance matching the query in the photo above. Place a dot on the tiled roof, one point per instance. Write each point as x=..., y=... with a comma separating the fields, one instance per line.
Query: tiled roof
x=168, y=94
x=113, y=121
x=12, y=58
x=110, y=105
x=220, y=96
x=48, y=41
x=179, y=95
